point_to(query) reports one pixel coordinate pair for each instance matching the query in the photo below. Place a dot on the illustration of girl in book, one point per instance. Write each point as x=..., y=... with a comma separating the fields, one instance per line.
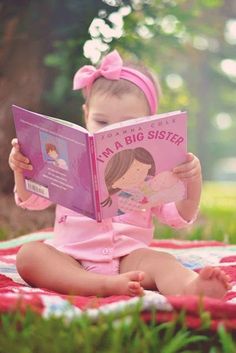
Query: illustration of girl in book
x=131, y=174
x=53, y=153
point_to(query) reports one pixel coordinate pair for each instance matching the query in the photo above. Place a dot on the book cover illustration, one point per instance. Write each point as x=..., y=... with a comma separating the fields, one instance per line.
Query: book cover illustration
x=61, y=163
x=134, y=163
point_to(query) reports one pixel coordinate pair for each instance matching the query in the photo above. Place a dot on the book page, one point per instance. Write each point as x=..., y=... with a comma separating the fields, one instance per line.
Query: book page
x=138, y=120
x=67, y=123
x=135, y=161
x=57, y=120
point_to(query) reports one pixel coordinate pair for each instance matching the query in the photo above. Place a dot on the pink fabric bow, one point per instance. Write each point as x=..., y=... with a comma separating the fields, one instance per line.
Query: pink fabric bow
x=110, y=68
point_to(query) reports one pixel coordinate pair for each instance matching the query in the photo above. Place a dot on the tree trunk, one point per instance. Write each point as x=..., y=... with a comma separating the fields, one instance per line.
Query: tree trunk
x=29, y=28
x=22, y=74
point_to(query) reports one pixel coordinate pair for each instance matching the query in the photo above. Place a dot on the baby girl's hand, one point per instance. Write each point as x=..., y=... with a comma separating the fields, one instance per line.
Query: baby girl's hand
x=17, y=161
x=189, y=171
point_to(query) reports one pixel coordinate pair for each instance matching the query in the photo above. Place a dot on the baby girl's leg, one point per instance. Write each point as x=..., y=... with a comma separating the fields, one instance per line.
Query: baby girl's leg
x=42, y=266
x=165, y=273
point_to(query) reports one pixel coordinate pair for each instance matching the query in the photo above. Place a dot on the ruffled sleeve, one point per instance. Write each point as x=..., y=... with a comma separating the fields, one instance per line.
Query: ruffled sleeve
x=34, y=202
x=168, y=214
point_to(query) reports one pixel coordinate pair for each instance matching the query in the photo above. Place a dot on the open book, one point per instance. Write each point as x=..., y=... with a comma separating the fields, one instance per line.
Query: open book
x=121, y=168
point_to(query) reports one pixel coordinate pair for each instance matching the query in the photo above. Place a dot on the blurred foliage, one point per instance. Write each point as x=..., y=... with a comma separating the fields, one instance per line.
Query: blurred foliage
x=122, y=330
x=189, y=44
x=184, y=43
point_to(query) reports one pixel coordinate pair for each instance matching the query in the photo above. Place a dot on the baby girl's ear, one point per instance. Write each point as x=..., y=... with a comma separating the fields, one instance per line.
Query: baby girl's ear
x=85, y=111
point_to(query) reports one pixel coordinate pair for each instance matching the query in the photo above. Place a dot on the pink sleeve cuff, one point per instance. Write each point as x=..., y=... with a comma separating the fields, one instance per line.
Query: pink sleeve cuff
x=168, y=214
x=34, y=202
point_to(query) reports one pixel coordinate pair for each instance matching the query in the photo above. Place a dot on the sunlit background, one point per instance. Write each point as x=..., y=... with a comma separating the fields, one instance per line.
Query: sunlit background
x=102, y=34
x=189, y=44
x=223, y=119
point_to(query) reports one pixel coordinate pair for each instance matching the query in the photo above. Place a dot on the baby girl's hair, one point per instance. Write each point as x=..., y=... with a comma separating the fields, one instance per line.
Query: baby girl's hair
x=112, y=77
x=120, y=163
x=120, y=87
x=50, y=147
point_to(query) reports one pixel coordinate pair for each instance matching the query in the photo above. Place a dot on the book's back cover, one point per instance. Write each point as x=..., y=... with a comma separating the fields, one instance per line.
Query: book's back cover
x=60, y=159
x=134, y=163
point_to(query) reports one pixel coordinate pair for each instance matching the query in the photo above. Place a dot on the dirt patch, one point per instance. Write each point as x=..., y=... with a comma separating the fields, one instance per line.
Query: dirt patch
x=15, y=221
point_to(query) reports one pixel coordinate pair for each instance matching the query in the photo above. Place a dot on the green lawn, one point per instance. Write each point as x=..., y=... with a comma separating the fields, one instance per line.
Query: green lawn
x=110, y=334
x=128, y=333
x=218, y=208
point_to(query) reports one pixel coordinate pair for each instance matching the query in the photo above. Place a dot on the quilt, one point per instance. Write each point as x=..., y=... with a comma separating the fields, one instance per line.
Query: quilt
x=15, y=294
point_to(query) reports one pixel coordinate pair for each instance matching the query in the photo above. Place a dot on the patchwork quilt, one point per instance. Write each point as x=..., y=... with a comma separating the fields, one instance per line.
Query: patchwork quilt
x=15, y=294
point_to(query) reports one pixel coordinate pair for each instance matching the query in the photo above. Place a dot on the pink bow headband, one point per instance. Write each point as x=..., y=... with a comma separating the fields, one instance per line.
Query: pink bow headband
x=112, y=68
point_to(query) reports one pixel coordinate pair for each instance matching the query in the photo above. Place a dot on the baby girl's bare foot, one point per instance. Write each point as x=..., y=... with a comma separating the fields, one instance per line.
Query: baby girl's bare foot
x=128, y=283
x=211, y=282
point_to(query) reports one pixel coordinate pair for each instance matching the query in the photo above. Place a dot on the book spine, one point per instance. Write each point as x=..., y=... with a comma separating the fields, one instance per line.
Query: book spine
x=95, y=179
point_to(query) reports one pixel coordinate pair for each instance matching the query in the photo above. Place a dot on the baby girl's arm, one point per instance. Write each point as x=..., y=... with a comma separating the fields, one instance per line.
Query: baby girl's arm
x=190, y=172
x=25, y=199
x=18, y=163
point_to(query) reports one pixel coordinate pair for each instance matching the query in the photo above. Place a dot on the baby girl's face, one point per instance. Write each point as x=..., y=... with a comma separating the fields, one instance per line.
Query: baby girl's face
x=134, y=176
x=104, y=110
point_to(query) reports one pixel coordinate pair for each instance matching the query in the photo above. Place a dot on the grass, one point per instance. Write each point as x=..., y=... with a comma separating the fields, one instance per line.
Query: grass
x=127, y=332
x=218, y=207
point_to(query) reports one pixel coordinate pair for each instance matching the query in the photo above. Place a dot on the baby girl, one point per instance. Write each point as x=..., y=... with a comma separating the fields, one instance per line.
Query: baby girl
x=113, y=257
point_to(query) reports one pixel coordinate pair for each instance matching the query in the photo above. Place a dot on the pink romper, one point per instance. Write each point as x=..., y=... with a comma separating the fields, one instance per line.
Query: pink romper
x=98, y=246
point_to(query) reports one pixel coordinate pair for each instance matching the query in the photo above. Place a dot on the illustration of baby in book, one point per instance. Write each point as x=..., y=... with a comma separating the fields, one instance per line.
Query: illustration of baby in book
x=53, y=153
x=131, y=175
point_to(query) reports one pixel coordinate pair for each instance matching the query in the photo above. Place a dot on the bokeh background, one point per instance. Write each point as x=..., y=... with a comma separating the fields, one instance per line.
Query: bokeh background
x=190, y=45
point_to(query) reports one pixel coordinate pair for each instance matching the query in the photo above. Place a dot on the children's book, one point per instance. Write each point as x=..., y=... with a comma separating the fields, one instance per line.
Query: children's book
x=124, y=167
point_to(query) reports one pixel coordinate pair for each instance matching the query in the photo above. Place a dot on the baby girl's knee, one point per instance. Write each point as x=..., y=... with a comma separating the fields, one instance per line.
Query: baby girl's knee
x=26, y=257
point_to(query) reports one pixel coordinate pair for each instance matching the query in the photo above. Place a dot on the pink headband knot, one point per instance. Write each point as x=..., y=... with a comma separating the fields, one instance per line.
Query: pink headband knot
x=112, y=69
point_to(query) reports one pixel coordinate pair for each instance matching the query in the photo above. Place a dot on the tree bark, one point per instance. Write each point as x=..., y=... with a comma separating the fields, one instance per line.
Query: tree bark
x=21, y=74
